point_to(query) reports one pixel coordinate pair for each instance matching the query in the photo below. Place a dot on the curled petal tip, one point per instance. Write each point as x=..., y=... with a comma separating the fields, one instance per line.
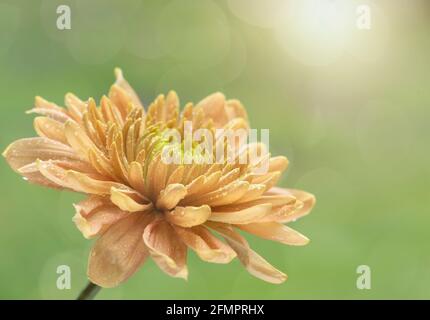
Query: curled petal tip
x=82, y=225
x=4, y=153
x=183, y=274
x=118, y=72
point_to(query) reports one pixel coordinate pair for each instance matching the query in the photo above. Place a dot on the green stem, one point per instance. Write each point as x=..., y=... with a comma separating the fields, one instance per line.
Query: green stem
x=89, y=292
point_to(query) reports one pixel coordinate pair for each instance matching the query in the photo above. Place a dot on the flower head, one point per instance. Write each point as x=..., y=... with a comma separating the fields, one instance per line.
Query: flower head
x=139, y=205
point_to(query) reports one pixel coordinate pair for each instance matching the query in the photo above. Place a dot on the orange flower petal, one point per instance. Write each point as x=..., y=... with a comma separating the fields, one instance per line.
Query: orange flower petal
x=32, y=174
x=244, y=216
x=123, y=84
x=119, y=252
x=222, y=196
x=276, y=232
x=176, y=176
x=95, y=214
x=166, y=249
x=74, y=180
x=22, y=155
x=164, y=109
x=253, y=262
x=306, y=198
x=213, y=107
x=49, y=109
x=254, y=192
x=128, y=200
x=78, y=139
x=50, y=128
x=279, y=163
x=75, y=106
x=25, y=151
x=282, y=213
x=208, y=247
x=188, y=216
x=235, y=109
x=170, y=196
x=135, y=176
x=231, y=196
x=274, y=200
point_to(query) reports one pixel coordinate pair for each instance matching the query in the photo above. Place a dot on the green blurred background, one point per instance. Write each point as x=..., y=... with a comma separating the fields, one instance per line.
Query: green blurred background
x=349, y=107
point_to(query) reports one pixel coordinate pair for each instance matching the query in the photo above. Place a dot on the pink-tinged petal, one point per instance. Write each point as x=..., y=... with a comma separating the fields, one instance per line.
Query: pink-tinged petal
x=119, y=252
x=305, y=199
x=243, y=216
x=50, y=128
x=166, y=249
x=22, y=155
x=208, y=247
x=25, y=151
x=92, y=202
x=276, y=232
x=39, y=102
x=53, y=114
x=39, y=179
x=33, y=175
x=254, y=263
x=188, y=216
x=76, y=181
x=129, y=200
x=49, y=109
x=95, y=214
x=75, y=165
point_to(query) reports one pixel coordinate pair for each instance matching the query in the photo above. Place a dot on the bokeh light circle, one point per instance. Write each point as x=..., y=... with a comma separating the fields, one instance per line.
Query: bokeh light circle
x=314, y=32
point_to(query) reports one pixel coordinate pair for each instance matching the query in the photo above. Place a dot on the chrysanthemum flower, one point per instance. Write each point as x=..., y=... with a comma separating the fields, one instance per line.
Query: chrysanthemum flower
x=138, y=206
